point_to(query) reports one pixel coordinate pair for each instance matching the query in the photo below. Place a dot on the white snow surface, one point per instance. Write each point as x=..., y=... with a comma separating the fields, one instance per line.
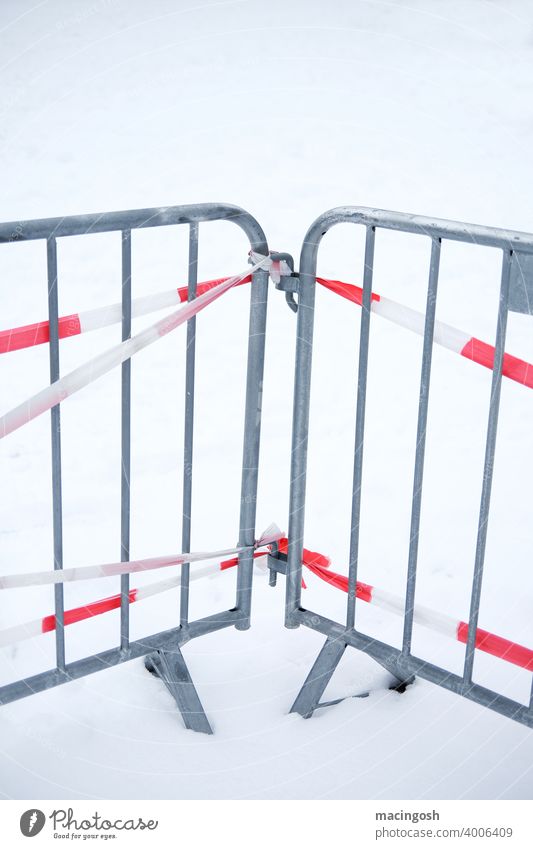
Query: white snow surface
x=287, y=109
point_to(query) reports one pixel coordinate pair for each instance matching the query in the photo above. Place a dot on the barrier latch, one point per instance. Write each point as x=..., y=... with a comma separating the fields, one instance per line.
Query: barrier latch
x=285, y=277
x=282, y=274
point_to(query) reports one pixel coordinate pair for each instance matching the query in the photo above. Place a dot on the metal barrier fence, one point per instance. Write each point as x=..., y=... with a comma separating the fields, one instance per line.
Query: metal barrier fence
x=164, y=657
x=162, y=650
x=516, y=293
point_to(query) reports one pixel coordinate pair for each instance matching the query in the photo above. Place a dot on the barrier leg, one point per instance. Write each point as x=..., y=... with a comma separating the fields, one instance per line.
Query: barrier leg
x=172, y=669
x=308, y=699
x=318, y=679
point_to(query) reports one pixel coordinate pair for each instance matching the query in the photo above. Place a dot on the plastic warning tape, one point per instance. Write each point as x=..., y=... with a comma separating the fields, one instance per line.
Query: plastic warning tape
x=30, y=335
x=446, y=625
x=106, y=361
x=444, y=334
x=106, y=570
x=27, y=630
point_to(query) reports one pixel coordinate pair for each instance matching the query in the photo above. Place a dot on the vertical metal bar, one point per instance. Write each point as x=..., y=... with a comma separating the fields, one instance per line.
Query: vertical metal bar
x=423, y=404
x=488, y=470
x=252, y=435
x=364, y=339
x=53, y=319
x=300, y=429
x=273, y=575
x=189, y=425
x=125, y=448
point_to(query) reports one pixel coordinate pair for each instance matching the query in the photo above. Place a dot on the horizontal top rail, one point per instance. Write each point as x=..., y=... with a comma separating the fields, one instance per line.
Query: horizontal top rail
x=134, y=219
x=420, y=225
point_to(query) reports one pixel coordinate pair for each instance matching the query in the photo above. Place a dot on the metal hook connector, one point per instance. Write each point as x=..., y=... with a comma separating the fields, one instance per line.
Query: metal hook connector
x=287, y=283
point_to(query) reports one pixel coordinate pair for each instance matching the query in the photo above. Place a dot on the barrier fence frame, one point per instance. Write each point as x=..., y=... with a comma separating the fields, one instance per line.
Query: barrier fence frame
x=161, y=650
x=516, y=292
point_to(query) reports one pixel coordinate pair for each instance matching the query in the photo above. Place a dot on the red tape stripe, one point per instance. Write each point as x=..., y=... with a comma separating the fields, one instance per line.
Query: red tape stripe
x=201, y=288
x=95, y=608
x=37, y=334
x=498, y=646
x=234, y=561
x=346, y=290
x=319, y=565
x=483, y=354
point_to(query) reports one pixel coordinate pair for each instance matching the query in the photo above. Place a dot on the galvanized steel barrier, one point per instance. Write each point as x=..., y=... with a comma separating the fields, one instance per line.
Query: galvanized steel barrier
x=164, y=656
x=162, y=650
x=516, y=293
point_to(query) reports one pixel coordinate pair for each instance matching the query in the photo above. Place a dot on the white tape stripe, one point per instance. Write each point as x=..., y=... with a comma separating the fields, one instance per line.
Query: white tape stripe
x=269, y=535
x=100, y=365
x=17, y=633
x=105, y=316
x=84, y=573
x=197, y=574
x=445, y=335
x=424, y=616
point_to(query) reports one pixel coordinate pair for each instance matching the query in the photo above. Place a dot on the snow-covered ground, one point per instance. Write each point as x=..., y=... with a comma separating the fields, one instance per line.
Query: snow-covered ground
x=285, y=108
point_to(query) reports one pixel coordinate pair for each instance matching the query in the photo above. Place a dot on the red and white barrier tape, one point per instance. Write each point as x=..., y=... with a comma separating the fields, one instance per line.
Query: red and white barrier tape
x=106, y=570
x=100, y=365
x=27, y=630
x=447, y=626
x=30, y=335
x=445, y=335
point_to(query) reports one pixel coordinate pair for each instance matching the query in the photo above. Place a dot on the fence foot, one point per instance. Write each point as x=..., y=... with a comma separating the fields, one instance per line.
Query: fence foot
x=171, y=668
x=401, y=685
x=308, y=699
x=401, y=682
x=316, y=682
